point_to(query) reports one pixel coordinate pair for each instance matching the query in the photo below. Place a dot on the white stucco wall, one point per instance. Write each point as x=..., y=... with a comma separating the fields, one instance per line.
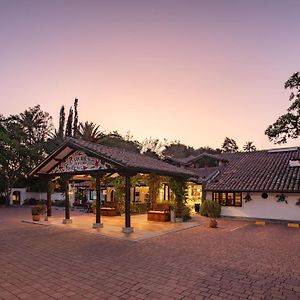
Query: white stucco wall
x=39, y=196
x=265, y=208
x=22, y=192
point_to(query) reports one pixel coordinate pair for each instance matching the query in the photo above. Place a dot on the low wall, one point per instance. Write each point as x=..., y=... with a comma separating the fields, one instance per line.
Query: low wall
x=39, y=196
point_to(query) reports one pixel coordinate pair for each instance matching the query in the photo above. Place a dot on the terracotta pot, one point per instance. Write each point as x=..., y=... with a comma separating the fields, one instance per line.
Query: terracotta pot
x=213, y=223
x=36, y=218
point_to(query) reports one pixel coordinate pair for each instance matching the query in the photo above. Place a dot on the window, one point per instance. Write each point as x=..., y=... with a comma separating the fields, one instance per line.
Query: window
x=228, y=199
x=166, y=192
x=238, y=199
x=222, y=199
x=93, y=195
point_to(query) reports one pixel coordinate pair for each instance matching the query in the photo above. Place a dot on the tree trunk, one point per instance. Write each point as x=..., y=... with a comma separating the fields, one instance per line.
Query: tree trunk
x=7, y=196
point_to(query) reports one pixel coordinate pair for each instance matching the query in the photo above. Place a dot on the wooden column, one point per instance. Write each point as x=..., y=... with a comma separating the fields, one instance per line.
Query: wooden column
x=127, y=228
x=49, y=200
x=98, y=223
x=203, y=187
x=67, y=219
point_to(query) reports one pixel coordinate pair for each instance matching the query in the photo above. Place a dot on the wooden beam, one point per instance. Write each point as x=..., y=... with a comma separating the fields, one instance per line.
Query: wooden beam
x=127, y=228
x=67, y=219
x=98, y=223
x=59, y=159
x=49, y=200
x=93, y=173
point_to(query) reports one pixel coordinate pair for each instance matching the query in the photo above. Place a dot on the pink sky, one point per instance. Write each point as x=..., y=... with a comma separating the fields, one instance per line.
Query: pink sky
x=194, y=71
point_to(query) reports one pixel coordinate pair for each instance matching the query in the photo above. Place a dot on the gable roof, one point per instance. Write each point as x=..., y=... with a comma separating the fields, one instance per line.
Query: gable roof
x=265, y=170
x=120, y=159
x=193, y=159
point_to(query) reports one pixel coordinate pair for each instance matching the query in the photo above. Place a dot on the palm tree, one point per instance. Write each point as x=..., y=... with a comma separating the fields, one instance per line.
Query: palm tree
x=36, y=124
x=249, y=146
x=89, y=131
x=229, y=145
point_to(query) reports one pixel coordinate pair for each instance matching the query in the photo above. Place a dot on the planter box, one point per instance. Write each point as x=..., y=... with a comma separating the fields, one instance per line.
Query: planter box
x=36, y=218
x=158, y=216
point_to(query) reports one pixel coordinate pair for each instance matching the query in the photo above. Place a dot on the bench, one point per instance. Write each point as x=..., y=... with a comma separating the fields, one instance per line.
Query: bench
x=159, y=213
x=108, y=211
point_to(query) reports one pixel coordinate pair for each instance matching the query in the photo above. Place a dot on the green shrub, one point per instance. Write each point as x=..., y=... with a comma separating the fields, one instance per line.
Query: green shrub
x=2, y=200
x=34, y=201
x=37, y=210
x=59, y=203
x=30, y=201
x=139, y=208
x=186, y=213
x=94, y=204
x=178, y=209
x=210, y=209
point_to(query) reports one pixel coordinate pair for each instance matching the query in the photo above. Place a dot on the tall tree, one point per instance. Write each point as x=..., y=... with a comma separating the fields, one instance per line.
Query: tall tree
x=14, y=154
x=62, y=121
x=89, y=131
x=288, y=125
x=249, y=146
x=69, y=125
x=153, y=147
x=75, y=125
x=178, y=150
x=229, y=145
x=114, y=139
x=37, y=125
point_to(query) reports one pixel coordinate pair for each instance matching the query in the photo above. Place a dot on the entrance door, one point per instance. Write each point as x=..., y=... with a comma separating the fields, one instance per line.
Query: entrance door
x=16, y=197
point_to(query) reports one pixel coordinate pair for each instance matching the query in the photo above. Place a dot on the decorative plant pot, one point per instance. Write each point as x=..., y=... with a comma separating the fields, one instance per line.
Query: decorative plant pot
x=36, y=218
x=213, y=223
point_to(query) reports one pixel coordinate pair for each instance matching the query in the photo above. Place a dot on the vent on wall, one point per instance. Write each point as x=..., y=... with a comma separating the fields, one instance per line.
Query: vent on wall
x=294, y=163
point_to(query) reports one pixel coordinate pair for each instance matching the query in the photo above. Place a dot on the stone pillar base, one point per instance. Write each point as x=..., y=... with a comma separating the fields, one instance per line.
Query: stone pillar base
x=98, y=225
x=67, y=221
x=127, y=229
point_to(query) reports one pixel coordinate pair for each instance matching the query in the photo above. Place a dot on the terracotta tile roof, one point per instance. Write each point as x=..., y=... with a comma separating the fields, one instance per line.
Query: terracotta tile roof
x=132, y=160
x=205, y=173
x=129, y=160
x=258, y=171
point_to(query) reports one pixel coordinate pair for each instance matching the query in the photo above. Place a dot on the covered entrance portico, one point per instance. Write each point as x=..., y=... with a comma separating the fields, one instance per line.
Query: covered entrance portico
x=80, y=158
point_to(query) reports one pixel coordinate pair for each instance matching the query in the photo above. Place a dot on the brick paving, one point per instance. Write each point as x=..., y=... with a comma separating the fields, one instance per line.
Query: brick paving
x=236, y=261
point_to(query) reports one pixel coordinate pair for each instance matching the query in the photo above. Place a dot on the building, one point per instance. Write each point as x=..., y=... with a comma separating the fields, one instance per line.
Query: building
x=260, y=184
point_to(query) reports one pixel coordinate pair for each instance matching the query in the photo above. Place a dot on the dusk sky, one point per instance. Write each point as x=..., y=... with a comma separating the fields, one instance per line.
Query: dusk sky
x=194, y=71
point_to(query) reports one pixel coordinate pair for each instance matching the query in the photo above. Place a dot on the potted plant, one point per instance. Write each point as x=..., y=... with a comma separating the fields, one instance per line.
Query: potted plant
x=186, y=213
x=178, y=186
x=212, y=210
x=36, y=212
x=281, y=198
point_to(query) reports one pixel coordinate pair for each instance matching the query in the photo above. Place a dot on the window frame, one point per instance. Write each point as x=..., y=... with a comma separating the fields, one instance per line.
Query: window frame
x=219, y=198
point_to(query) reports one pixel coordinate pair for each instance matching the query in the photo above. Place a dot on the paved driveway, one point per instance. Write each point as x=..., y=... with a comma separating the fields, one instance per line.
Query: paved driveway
x=237, y=261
